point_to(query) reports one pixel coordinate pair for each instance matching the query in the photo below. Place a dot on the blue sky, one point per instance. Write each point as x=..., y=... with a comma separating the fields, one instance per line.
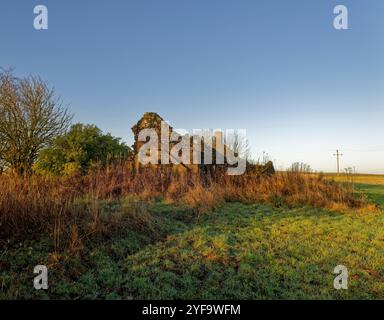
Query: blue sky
x=278, y=69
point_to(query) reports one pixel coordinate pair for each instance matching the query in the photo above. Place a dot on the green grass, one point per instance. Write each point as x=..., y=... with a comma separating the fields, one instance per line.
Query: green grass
x=369, y=184
x=373, y=191
x=237, y=252
x=257, y=252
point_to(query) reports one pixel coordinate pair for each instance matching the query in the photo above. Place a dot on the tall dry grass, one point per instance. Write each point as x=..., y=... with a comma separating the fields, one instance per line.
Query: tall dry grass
x=70, y=208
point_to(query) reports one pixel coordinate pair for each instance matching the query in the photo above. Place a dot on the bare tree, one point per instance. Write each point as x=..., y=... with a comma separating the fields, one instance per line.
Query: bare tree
x=238, y=143
x=31, y=116
x=300, y=167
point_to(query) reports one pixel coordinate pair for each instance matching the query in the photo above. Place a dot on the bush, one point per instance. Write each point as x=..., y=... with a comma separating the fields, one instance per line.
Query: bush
x=82, y=148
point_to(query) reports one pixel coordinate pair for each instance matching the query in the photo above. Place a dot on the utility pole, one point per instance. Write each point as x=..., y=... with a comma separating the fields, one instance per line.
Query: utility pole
x=338, y=155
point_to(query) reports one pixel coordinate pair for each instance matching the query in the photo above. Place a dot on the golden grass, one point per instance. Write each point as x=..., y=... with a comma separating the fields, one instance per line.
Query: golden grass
x=374, y=179
x=71, y=208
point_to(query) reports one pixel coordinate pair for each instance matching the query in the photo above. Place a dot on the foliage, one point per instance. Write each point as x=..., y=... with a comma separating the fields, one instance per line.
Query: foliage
x=83, y=147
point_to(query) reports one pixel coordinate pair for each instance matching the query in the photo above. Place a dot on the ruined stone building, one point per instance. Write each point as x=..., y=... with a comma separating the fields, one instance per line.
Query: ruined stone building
x=217, y=151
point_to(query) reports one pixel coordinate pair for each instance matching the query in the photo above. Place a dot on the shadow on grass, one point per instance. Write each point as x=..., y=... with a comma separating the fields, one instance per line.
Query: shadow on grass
x=374, y=192
x=236, y=252
x=257, y=252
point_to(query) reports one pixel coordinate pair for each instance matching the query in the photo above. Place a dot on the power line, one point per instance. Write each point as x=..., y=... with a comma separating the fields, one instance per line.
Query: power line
x=338, y=155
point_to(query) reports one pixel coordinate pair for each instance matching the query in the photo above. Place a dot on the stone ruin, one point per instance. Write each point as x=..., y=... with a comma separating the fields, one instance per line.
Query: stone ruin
x=151, y=120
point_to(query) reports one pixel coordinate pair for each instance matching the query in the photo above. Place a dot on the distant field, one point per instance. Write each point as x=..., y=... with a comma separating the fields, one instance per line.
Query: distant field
x=369, y=184
x=371, y=179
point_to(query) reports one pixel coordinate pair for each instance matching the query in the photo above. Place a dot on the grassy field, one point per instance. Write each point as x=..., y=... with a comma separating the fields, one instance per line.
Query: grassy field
x=372, y=179
x=237, y=252
x=259, y=252
x=371, y=185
